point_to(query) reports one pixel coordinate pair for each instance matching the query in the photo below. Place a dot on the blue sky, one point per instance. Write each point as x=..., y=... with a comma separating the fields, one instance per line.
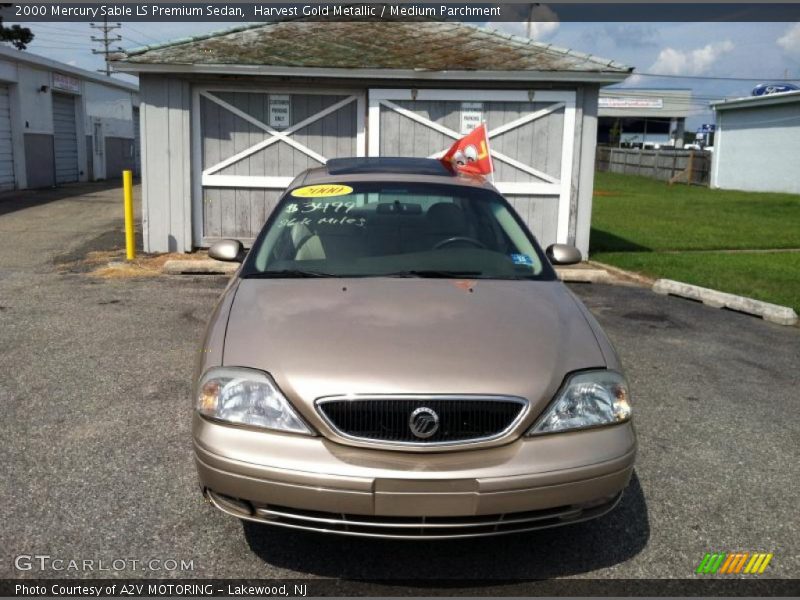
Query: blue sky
x=691, y=54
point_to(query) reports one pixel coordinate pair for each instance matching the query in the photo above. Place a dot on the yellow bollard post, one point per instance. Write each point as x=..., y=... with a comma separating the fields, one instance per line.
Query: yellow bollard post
x=130, y=239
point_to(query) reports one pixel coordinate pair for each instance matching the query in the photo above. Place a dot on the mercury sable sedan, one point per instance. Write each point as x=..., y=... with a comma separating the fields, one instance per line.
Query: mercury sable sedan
x=395, y=357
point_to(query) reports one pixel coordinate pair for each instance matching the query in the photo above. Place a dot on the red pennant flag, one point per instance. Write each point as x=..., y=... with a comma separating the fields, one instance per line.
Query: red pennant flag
x=470, y=154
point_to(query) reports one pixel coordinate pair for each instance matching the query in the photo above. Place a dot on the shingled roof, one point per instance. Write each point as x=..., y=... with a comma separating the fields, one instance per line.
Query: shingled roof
x=375, y=45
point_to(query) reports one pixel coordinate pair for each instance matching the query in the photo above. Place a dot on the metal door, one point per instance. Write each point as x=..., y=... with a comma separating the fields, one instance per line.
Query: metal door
x=65, y=138
x=7, y=181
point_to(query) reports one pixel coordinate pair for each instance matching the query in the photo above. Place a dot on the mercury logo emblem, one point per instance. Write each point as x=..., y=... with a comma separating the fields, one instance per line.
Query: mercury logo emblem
x=423, y=422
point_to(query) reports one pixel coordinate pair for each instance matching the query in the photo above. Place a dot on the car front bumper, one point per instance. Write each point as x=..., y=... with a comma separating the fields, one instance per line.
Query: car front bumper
x=314, y=483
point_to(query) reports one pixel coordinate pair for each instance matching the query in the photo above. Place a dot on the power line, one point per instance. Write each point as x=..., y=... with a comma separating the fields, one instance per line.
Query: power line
x=133, y=41
x=143, y=34
x=37, y=44
x=106, y=41
x=67, y=37
x=50, y=27
x=60, y=40
x=40, y=47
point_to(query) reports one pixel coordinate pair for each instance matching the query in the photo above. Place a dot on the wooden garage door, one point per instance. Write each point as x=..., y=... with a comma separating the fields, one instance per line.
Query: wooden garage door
x=65, y=138
x=252, y=143
x=6, y=144
x=531, y=138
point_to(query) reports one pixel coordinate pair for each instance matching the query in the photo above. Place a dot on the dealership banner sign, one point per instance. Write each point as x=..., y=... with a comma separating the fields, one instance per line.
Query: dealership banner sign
x=246, y=12
x=66, y=83
x=619, y=102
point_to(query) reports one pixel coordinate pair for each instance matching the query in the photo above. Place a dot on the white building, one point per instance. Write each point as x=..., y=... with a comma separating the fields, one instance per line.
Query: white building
x=757, y=144
x=229, y=119
x=60, y=124
x=643, y=117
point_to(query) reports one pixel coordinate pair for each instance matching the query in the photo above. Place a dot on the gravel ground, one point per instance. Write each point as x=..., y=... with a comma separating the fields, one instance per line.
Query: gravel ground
x=95, y=383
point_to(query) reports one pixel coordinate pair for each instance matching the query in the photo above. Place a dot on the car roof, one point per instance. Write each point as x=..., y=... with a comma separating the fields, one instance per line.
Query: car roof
x=391, y=168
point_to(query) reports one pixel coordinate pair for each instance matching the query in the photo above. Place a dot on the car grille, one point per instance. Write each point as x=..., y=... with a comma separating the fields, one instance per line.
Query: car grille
x=412, y=527
x=422, y=420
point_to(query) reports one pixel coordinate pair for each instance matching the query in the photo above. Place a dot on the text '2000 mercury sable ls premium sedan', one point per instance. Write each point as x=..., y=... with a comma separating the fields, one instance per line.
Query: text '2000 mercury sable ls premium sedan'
x=397, y=358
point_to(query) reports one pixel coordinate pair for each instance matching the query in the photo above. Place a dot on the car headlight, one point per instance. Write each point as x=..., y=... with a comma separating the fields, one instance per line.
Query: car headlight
x=588, y=399
x=246, y=397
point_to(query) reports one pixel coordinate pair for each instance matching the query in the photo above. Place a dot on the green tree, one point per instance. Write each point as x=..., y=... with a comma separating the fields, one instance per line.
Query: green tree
x=19, y=36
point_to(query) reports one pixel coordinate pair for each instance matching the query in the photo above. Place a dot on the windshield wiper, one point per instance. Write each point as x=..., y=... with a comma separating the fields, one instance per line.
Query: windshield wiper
x=433, y=274
x=286, y=274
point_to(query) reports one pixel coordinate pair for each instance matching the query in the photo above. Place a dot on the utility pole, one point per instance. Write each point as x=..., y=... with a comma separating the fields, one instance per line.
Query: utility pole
x=529, y=26
x=106, y=41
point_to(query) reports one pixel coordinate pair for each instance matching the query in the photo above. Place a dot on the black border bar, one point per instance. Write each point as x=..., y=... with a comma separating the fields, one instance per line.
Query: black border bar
x=198, y=588
x=478, y=12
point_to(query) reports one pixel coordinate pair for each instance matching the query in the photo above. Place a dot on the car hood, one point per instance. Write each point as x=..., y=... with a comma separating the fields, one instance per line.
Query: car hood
x=322, y=337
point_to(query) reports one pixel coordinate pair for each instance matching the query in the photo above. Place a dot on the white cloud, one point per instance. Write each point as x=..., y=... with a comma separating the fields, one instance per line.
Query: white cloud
x=541, y=30
x=543, y=23
x=790, y=41
x=690, y=62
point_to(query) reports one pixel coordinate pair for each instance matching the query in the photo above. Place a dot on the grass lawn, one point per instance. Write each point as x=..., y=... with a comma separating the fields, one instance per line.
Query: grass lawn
x=676, y=232
x=770, y=276
x=637, y=213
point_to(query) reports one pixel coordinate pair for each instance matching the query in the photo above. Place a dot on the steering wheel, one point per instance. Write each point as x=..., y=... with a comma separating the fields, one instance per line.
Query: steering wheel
x=458, y=238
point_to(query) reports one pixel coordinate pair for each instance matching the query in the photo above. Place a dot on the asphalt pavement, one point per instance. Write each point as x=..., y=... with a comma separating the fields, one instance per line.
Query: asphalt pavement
x=95, y=379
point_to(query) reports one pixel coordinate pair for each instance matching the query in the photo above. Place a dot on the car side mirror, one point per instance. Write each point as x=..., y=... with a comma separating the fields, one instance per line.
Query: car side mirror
x=227, y=250
x=563, y=254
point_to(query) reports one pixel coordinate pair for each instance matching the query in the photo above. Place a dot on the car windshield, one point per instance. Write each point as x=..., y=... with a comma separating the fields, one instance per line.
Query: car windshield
x=395, y=230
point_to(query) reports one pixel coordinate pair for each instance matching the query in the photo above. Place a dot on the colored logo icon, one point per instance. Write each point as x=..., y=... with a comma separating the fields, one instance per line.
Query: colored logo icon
x=724, y=563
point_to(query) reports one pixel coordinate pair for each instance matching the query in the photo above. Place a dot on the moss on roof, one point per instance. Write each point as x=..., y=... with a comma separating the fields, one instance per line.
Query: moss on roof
x=421, y=45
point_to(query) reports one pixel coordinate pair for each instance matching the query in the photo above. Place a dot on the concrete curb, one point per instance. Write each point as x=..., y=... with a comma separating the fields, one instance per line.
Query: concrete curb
x=626, y=277
x=205, y=266
x=782, y=315
x=583, y=275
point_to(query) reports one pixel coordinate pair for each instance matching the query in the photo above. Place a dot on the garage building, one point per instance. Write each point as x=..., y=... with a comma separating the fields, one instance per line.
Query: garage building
x=643, y=117
x=60, y=124
x=230, y=118
x=757, y=143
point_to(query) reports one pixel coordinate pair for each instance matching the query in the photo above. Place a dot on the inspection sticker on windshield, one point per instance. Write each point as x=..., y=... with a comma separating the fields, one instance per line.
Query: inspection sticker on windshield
x=522, y=259
x=322, y=191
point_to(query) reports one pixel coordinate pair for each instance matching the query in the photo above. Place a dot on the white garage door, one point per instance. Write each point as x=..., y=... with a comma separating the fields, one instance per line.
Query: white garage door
x=65, y=138
x=531, y=142
x=6, y=146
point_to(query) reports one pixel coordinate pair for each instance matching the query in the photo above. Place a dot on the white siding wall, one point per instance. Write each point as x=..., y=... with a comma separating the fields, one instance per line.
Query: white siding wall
x=30, y=110
x=166, y=173
x=112, y=106
x=583, y=173
x=757, y=149
x=8, y=71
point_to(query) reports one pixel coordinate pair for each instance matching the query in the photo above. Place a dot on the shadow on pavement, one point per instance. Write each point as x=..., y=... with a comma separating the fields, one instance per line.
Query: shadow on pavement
x=561, y=551
x=21, y=199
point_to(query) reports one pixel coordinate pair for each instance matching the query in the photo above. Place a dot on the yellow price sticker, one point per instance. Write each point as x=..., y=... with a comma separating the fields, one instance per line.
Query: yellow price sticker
x=322, y=191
